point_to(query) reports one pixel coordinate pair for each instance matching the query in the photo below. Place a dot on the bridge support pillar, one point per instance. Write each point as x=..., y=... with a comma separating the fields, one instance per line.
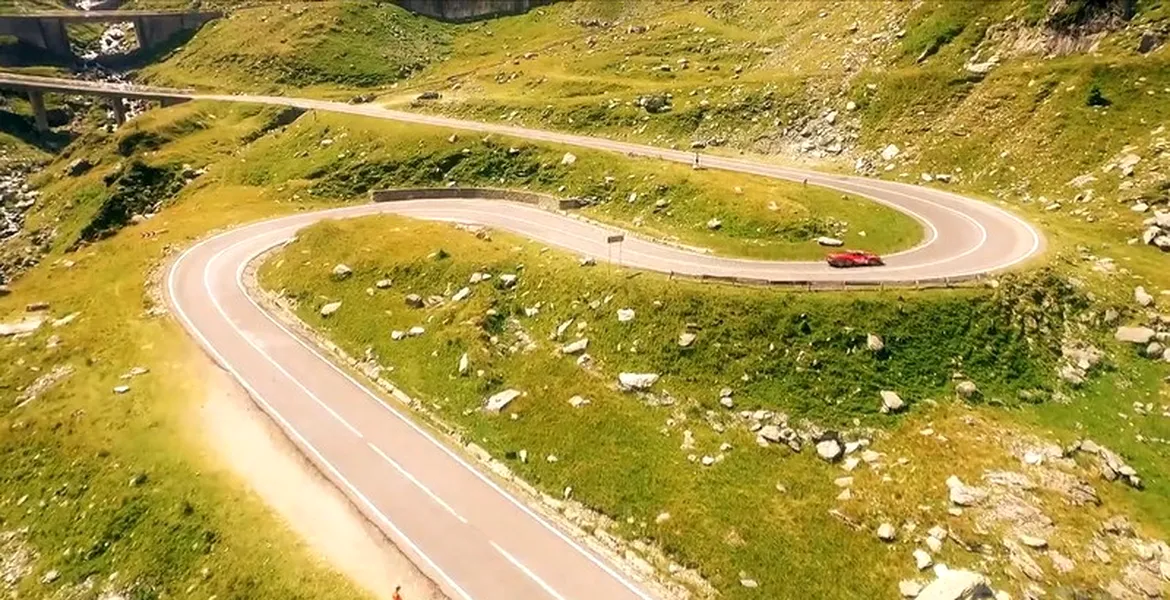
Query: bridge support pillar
x=37, y=100
x=119, y=110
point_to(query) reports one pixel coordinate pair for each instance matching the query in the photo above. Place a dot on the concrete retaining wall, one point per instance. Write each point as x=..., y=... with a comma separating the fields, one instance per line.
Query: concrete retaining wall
x=542, y=200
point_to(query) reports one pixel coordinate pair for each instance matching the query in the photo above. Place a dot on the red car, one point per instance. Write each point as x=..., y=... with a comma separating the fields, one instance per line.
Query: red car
x=854, y=258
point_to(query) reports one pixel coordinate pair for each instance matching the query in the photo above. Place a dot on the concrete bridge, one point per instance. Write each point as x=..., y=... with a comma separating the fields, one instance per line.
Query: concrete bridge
x=48, y=31
x=37, y=87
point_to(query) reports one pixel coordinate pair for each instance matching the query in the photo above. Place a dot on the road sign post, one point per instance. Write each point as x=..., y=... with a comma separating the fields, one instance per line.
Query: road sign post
x=610, y=241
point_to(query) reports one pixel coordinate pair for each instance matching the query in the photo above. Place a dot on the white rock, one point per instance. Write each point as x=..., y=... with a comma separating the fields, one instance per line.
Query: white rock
x=829, y=450
x=415, y=331
x=569, y=158
x=714, y=223
x=886, y=532
x=686, y=338
x=383, y=284
x=890, y=152
x=1142, y=297
x=122, y=389
x=850, y=106
x=922, y=559
x=625, y=315
x=1033, y=541
x=1134, y=335
x=341, y=271
x=464, y=365
x=967, y=389
x=957, y=585
x=770, y=433
x=462, y=294
x=963, y=495
x=23, y=326
x=637, y=381
x=397, y=335
x=575, y=347
x=874, y=342
x=508, y=280
x=578, y=401
x=909, y=588
x=934, y=544
x=330, y=308
x=662, y=518
x=891, y=402
x=828, y=241
x=496, y=402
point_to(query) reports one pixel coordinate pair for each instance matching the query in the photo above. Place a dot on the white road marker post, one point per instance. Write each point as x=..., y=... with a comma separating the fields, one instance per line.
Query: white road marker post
x=610, y=241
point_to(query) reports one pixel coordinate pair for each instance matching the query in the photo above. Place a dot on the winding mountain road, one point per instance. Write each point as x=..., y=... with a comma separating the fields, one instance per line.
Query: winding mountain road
x=464, y=530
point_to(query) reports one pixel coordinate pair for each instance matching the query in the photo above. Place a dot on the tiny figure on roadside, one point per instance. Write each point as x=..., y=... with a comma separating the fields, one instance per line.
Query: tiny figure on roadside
x=805, y=182
x=397, y=595
x=696, y=166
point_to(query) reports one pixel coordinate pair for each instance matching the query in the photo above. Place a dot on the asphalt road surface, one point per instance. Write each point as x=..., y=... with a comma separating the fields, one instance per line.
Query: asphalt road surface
x=462, y=529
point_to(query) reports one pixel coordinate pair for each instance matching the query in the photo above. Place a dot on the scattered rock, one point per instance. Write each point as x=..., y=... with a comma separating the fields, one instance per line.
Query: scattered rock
x=329, y=309
x=78, y=167
x=341, y=272
x=461, y=295
x=569, y=158
x=964, y=495
x=954, y=584
x=886, y=532
x=50, y=576
x=121, y=389
x=24, y=326
x=714, y=223
x=874, y=342
x=575, y=347
x=890, y=152
x=496, y=402
x=625, y=315
x=385, y=284
x=891, y=402
x=909, y=588
x=829, y=449
x=637, y=381
x=1134, y=335
x=415, y=331
x=464, y=365
x=967, y=390
x=1032, y=541
x=414, y=301
x=1142, y=297
x=922, y=559
x=508, y=280
x=36, y=307
x=831, y=242
x=578, y=401
x=686, y=338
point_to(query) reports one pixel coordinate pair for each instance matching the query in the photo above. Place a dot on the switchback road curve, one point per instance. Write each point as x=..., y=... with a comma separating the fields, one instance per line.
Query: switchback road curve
x=473, y=537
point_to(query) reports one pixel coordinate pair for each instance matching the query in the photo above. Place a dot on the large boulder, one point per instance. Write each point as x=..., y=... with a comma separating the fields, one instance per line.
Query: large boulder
x=830, y=449
x=1134, y=335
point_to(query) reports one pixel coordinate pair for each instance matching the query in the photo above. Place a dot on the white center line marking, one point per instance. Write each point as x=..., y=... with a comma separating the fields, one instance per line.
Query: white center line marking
x=415, y=481
x=519, y=565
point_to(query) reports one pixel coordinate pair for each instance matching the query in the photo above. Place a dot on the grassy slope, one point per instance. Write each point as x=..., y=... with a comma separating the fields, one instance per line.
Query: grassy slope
x=74, y=450
x=800, y=354
x=364, y=155
x=333, y=44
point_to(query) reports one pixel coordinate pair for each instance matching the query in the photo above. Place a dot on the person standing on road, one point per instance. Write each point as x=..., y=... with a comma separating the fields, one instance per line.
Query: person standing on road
x=397, y=595
x=696, y=165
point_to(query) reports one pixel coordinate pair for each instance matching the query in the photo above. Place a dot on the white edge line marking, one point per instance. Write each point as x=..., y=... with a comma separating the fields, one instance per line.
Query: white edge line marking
x=219, y=308
x=442, y=447
x=533, y=576
x=288, y=427
x=416, y=482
